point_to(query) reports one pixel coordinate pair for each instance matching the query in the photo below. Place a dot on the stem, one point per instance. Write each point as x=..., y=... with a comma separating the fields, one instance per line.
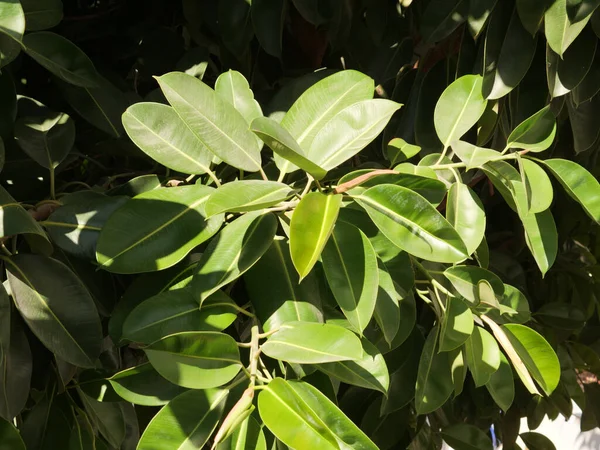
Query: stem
x=422, y=269
x=241, y=174
x=190, y=178
x=308, y=185
x=52, y=187
x=281, y=176
x=5, y=250
x=442, y=155
x=254, y=355
x=212, y=175
x=360, y=180
x=263, y=174
x=283, y=206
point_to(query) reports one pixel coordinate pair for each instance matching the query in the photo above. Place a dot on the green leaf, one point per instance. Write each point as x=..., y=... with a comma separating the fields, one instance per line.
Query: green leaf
x=82, y=434
x=398, y=150
x=370, y=371
x=387, y=305
x=509, y=183
x=457, y=325
x=349, y=131
x=535, y=133
x=483, y=355
x=560, y=31
x=465, y=280
x=176, y=311
x=107, y=417
x=531, y=13
x=12, y=27
x=561, y=315
x=276, y=293
x=541, y=237
x=458, y=366
x=10, y=438
x=434, y=379
x=463, y=436
x=214, y=121
x=313, y=343
x=142, y=385
x=302, y=417
x=232, y=252
x=248, y=436
x=581, y=185
x=284, y=145
x=246, y=195
x=61, y=57
x=350, y=265
x=452, y=122
x=42, y=14
x=196, y=359
x=501, y=385
x=465, y=213
x=156, y=229
x=75, y=226
x=537, y=355
x=538, y=185
x=412, y=223
x=186, y=422
x=9, y=49
x=312, y=224
x=479, y=11
x=56, y=306
x=268, y=18
x=473, y=156
x=575, y=63
x=537, y=441
x=46, y=139
x=233, y=87
x=441, y=18
x=162, y=135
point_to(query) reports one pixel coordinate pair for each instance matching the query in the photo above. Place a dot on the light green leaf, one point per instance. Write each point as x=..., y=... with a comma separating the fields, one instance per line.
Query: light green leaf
x=10, y=438
x=248, y=436
x=313, y=343
x=412, y=223
x=310, y=228
x=501, y=385
x=283, y=144
x=247, y=195
x=235, y=249
x=213, y=120
x=370, y=371
x=387, y=305
x=61, y=57
x=56, y=306
x=196, y=415
x=458, y=366
x=156, y=229
x=538, y=185
x=473, y=156
x=160, y=133
x=302, y=417
x=465, y=280
x=537, y=355
x=176, y=311
x=581, y=185
x=398, y=150
x=459, y=108
x=350, y=265
x=457, y=325
x=508, y=181
x=560, y=31
x=464, y=436
x=12, y=19
x=465, y=213
x=483, y=355
x=233, y=87
x=541, y=237
x=535, y=133
x=349, y=131
x=42, y=14
x=197, y=359
x=142, y=385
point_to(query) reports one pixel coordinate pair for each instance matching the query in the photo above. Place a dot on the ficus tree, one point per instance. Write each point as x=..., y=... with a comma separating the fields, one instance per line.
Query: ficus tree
x=209, y=243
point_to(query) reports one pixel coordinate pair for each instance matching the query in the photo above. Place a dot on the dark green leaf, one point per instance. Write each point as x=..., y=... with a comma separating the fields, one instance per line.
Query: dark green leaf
x=441, y=18
x=42, y=14
x=463, y=436
x=268, y=18
x=247, y=195
x=10, y=439
x=457, y=325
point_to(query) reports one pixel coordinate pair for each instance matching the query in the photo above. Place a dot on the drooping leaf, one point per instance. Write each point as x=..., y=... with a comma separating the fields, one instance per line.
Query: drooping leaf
x=107, y=417
x=465, y=213
x=247, y=436
x=159, y=131
x=464, y=436
x=186, y=422
x=57, y=307
x=387, y=304
x=12, y=20
x=61, y=57
x=541, y=237
x=474, y=156
x=532, y=12
x=483, y=355
x=312, y=224
x=42, y=14
x=266, y=13
x=457, y=325
x=479, y=12
x=560, y=31
x=10, y=438
x=536, y=133
x=302, y=417
x=232, y=252
x=156, y=229
x=214, y=121
x=412, y=223
x=537, y=441
x=246, y=195
x=313, y=343
x=442, y=18
x=501, y=385
x=465, y=280
x=196, y=360
x=233, y=87
x=538, y=185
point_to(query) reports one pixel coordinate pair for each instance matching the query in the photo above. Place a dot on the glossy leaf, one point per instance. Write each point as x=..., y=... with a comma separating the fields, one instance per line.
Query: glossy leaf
x=246, y=195
x=457, y=325
x=248, y=436
x=474, y=156
x=582, y=186
x=501, y=385
x=156, y=229
x=235, y=249
x=451, y=123
x=159, y=131
x=387, y=304
x=266, y=13
x=537, y=441
x=539, y=187
x=560, y=31
x=312, y=343
x=196, y=415
x=302, y=417
x=350, y=265
x=310, y=228
x=483, y=355
x=479, y=12
x=531, y=13
x=541, y=237
x=464, y=436
x=10, y=438
x=61, y=57
x=465, y=213
x=412, y=223
x=442, y=18
x=398, y=150
x=57, y=307
x=42, y=14
x=214, y=121
x=233, y=87
x=12, y=20
x=196, y=360
x=465, y=280
x=535, y=133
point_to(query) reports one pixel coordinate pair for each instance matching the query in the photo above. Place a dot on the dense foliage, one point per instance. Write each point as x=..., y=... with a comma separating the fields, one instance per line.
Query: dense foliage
x=209, y=243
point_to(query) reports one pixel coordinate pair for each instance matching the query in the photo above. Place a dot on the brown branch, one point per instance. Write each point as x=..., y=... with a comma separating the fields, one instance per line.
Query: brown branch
x=344, y=187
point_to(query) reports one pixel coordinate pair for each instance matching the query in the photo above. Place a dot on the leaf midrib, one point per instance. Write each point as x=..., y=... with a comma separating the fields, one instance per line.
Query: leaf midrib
x=211, y=408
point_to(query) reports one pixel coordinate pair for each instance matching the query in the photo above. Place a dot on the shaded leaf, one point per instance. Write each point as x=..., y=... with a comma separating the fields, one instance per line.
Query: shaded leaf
x=465, y=213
